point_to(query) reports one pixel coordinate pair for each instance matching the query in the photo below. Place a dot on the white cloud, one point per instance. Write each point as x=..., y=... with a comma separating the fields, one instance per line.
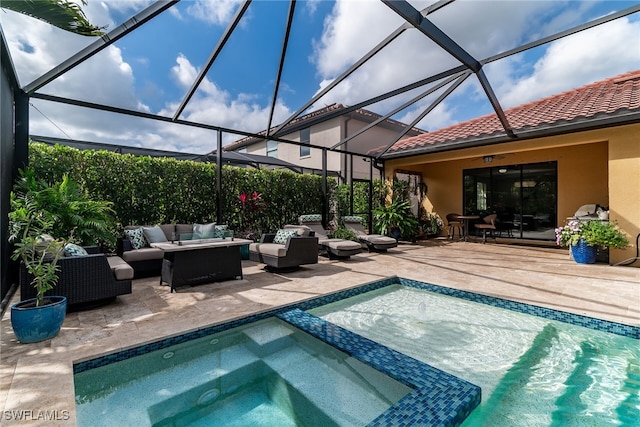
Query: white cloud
x=217, y=107
x=215, y=12
x=352, y=29
x=580, y=59
x=412, y=56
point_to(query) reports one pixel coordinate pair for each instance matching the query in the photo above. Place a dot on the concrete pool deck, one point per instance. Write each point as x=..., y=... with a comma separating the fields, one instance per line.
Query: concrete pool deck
x=37, y=379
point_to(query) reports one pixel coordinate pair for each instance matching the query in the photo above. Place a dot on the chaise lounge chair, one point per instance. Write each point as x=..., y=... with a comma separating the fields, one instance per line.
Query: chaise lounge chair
x=375, y=242
x=334, y=248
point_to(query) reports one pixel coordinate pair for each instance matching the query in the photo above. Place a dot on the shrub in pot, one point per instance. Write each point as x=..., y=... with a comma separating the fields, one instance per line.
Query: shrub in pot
x=38, y=212
x=397, y=215
x=40, y=318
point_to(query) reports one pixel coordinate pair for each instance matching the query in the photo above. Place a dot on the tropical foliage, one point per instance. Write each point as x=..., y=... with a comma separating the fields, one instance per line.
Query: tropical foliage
x=63, y=14
x=73, y=214
x=146, y=190
x=29, y=228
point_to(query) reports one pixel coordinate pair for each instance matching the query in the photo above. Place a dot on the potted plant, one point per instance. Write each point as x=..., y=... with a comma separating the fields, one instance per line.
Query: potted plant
x=395, y=219
x=40, y=318
x=38, y=212
x=430, y=224
x=584, y=237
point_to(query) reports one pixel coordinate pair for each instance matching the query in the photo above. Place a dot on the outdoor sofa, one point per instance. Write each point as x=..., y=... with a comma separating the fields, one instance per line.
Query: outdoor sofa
x=288, y=248
x=86, y=280
x=146, y=261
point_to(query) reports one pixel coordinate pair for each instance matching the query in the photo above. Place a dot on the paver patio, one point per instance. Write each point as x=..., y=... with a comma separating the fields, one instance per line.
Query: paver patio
x=39, y=377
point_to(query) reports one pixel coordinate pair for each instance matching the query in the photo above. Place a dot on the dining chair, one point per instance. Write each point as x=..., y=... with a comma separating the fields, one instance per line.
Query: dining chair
x=454, y=223
x=489, y=223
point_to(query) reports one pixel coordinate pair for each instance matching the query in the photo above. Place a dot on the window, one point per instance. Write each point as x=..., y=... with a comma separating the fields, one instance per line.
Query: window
x=272, y=149
x=305, y=138
x=523, y=196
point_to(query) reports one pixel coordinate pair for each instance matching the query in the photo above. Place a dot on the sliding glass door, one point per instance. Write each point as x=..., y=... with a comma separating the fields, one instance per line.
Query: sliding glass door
x=523, y=196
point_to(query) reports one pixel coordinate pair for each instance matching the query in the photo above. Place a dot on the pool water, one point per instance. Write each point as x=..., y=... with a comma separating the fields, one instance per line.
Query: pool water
x=265, y=373
x=533, y=371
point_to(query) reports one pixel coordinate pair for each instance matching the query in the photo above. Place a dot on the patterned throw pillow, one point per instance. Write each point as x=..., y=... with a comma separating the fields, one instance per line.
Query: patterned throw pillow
x=137, y=238
x=310, y=218
x=220, y=231
x=71, y=249
x=283, y=235
x=352, y=219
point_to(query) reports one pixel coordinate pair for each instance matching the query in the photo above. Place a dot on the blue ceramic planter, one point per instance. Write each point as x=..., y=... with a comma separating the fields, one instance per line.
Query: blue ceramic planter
x=33, y=324
x=583, y=253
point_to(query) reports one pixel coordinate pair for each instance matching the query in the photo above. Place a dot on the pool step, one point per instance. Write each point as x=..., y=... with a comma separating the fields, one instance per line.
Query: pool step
x=628, y=410
x=512, y=387
x=569, y=406
x=345, y=389
x=330, y=380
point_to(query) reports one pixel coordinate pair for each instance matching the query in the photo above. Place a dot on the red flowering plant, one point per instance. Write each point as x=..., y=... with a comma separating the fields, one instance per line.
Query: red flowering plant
x=251, y=205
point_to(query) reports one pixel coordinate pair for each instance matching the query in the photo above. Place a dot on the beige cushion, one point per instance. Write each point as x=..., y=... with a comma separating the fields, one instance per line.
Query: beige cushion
x=377, y=239
x=120, y=269
x=273, y=249
x=143, y=254
x=340, y=244
x=302, y=230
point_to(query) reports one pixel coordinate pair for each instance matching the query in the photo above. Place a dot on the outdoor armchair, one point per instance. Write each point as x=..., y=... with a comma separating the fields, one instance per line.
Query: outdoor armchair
x=87, y=281
x=286, y=249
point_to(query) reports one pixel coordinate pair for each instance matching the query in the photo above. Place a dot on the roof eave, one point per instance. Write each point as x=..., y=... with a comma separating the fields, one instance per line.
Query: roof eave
x=522, y=134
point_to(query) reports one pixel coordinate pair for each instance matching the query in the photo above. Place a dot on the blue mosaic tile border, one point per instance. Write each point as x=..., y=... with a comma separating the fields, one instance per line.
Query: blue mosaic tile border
x=547, y=313
x=575, y=319
x=438, y=398
x=179, y=339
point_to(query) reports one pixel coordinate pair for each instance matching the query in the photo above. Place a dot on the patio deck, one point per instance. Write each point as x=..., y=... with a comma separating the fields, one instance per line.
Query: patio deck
x=39, y=377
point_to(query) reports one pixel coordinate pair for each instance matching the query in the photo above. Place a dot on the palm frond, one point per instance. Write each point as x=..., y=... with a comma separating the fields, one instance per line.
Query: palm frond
x=63, y=14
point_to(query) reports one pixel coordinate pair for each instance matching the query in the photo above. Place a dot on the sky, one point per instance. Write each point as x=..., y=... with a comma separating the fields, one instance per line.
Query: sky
x=152, y=68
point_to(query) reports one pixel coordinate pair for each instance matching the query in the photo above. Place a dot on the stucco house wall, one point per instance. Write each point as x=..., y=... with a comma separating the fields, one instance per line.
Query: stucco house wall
x=599, y=166
x=327, y=134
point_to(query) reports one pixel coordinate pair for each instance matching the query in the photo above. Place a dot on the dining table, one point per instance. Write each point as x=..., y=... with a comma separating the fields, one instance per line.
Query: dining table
x=465, y=229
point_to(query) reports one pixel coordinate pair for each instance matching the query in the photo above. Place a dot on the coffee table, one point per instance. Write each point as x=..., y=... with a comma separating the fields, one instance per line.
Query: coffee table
x=194, y=262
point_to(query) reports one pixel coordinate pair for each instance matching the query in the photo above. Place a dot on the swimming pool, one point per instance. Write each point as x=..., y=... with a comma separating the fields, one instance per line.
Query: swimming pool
x=263, y=373
x=533, y=371
x=435, y=396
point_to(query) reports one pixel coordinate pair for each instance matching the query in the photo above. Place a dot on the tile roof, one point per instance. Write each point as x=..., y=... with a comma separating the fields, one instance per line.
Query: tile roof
x=610, y=97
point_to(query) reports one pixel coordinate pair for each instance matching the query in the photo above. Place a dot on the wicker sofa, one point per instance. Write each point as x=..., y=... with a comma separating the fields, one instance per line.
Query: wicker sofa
x=147, y=261
x=87, y=281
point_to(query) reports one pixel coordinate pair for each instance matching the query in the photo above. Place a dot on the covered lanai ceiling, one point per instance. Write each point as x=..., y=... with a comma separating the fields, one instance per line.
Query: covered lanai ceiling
x=169, y=75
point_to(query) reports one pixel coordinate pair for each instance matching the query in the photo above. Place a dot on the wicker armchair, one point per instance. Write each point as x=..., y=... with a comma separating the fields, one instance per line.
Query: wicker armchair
x=297, y=251
x=87, y=281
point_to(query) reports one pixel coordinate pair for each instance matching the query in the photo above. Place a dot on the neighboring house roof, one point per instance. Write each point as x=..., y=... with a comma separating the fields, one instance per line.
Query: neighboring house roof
x=321, y=115
x=232, y=158
x=613, y=101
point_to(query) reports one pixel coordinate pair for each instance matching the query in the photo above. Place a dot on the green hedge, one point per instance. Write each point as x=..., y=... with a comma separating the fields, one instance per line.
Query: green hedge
x=147, y=190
